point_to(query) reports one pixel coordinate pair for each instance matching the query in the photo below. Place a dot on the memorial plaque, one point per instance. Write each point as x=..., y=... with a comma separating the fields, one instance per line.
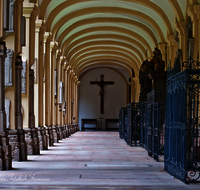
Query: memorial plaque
x=23, y=90
x=7, y=109
x=8, y=68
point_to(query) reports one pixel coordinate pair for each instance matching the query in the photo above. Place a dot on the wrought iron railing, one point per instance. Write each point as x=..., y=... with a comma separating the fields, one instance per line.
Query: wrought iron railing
x=122, y=113
x=182, y=124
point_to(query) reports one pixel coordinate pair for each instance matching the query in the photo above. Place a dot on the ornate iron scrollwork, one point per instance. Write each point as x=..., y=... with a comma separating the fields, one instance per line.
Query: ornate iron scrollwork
x=191, y=64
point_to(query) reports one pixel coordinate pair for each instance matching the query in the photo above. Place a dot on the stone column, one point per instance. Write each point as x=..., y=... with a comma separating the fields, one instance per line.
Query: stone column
x=35, y=150
x=20, y=143
x=66, y=110
x=181, y=28
x=172, y=48
x=58, y=124
x=194, y=13
x=78, y=83
x=163, y=49
x=31, y=11
x=5, y=148
x=132, y=83
x=47, y=65
x=42, y=131
x=53, y=49
x=17, y=26
x=67, y=100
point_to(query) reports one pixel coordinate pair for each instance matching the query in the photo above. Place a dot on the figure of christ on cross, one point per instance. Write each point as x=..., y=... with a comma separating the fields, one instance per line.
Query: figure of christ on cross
x=102, y=84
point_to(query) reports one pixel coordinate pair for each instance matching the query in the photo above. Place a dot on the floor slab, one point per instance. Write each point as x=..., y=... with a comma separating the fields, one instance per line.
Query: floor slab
x=91, y=160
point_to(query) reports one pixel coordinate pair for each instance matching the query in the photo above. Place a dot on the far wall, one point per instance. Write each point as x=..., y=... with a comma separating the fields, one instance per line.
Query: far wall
x=114, y=95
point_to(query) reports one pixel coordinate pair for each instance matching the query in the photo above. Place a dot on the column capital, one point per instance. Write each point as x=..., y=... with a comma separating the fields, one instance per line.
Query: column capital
x=62, y=60
x=170, y=39
x=27, y=9
x=191, y=12
x=47, y=37
x=58, y=54
x=35, y=12
x=68, y=69
x=197, y=10
x=78, y=83
x=181, y=27
x=162, y=46
x=42, y=27
x=53, y=46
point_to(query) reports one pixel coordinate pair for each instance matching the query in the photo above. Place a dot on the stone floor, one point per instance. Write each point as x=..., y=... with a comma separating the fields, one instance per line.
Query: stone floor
x=91, y=160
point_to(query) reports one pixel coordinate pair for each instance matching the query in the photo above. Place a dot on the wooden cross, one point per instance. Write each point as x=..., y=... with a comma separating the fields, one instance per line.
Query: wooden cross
x=102, y=84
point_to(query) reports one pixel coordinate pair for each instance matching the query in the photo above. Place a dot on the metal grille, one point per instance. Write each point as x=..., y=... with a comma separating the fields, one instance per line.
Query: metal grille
x=159, y=131
x=122, y=113
x=133, y=124
x=182, y=136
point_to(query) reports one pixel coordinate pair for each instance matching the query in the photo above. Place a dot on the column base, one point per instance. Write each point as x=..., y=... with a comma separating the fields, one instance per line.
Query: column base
x=65, y=131
x=18, y=144
x=77, y=127
x=59, y=131
x=43, y=138
x=55, y=134
x=5, y=152
x=69, y=130
x=50, y=133
x=62, y=131
x=32, y=140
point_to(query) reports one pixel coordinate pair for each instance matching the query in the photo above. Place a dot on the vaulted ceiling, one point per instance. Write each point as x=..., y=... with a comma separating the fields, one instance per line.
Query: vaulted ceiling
x=117, y=33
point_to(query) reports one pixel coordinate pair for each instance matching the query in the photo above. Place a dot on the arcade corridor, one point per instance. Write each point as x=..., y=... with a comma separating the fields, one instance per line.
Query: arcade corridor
x=89, y=160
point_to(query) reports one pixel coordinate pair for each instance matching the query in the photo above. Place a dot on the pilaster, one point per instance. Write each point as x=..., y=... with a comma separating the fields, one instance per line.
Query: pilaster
x=48, y=124
x=163, y=49
x=17, y=136
x=172, y=48
x=5, y=148
x=41, y=27
x=181, y=28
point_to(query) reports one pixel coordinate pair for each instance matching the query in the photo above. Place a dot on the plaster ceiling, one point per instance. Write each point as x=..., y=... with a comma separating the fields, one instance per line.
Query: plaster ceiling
x=112, y=32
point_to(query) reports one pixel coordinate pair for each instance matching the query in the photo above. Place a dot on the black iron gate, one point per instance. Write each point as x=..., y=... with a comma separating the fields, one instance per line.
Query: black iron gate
x=142, y=124
x=133, y=124
x=158, y=131
x=122, y=113
x=149, y=129
x=182, y=129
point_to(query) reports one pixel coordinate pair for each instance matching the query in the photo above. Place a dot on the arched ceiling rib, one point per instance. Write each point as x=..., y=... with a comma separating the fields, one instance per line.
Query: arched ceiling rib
x=90, y=24
x=91, y=32
x=107, y=49
x=94, y=44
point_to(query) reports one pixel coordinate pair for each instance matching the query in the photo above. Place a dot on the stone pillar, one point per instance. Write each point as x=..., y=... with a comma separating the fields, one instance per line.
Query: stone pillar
x=17, y=26
x=132, y=83
x=66, y=109
x=58, y=66
x=42, y=132
x=17, y=136
x=172, y=48
x=163, y=49
x=181, y=28
x=35, y=150
x=196, y=30
x=48, y=125
x=53, y=49
x=68, y=94
x=78, y=83
x=5, y=148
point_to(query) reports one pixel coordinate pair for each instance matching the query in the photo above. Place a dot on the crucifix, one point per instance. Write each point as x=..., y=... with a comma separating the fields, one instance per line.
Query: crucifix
x=102, y=84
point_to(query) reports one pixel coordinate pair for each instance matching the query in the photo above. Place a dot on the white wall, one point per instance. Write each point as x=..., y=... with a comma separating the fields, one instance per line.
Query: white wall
x=89, y=98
